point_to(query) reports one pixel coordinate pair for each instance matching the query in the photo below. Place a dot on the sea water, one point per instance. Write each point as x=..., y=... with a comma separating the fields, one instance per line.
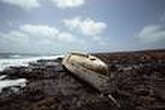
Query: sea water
x=7, y=60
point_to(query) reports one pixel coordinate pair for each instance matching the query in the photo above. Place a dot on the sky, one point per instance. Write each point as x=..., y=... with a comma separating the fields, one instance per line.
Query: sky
x=58, y=26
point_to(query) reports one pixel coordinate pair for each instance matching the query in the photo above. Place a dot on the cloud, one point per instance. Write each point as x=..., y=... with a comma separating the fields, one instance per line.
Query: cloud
x=38, y=38
x=47, y=32
x=29, y=33
x=152, y=34
x=66, y=37
x=30, y=4
x=25, y=4
x=40, y=31
x=86, y=26
x=44, y=38
x=63, y=4
x=14, y=36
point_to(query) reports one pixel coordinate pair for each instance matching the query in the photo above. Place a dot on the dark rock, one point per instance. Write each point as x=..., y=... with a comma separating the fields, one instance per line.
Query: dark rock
x=138, y=79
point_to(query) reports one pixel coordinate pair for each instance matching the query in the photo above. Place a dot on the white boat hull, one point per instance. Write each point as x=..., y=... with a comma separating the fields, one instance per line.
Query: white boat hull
x=95, y=79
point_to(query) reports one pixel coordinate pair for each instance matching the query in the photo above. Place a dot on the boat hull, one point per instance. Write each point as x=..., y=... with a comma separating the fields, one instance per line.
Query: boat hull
x=93, y=78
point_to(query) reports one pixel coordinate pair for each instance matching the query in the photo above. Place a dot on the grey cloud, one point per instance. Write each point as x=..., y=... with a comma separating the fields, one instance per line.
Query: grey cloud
x=87, y=26
x=152, y=34
x=31, y=4
x=35, y=38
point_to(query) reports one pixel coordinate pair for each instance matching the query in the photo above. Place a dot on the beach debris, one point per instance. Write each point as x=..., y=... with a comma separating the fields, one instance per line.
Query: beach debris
x=91, y=70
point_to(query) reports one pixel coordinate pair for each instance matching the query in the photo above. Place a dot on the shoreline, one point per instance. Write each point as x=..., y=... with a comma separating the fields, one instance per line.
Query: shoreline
x=138, y=79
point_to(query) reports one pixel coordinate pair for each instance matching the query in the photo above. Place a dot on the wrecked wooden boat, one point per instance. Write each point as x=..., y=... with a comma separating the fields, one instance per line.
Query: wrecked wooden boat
x=89, y=69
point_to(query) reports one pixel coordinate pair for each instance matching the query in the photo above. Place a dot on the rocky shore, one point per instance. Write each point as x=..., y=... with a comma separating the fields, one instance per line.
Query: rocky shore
x=137, y=79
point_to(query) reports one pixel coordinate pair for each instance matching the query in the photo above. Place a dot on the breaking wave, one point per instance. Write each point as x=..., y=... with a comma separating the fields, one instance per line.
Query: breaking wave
x=7, y=62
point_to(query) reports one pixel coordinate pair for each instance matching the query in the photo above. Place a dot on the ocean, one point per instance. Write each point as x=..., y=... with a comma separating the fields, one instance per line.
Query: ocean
x=11, y=59
x=15, y=59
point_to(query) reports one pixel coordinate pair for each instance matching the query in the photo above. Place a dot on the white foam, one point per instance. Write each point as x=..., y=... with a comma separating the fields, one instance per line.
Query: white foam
x=2, y=77
x=15, y=56
x=10, y=83
x=4, y=63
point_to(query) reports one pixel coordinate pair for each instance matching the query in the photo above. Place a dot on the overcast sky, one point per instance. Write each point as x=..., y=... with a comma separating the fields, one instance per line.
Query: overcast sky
x=57, y=26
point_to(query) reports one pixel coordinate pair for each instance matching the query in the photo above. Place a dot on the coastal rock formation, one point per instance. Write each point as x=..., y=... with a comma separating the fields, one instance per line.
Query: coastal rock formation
x=137, y=80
